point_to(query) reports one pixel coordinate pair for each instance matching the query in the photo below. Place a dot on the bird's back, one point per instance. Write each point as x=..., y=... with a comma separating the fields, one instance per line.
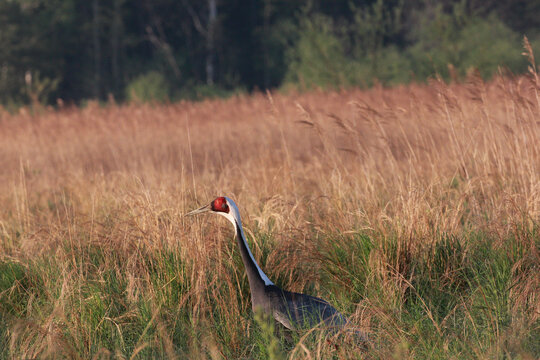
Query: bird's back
x=300, y=311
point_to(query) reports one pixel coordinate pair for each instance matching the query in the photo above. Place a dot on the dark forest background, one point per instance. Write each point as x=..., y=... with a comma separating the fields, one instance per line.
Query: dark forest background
x=76, y=50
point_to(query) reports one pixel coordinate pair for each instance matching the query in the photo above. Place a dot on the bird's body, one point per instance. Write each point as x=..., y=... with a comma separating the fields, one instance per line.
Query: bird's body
x=300, y=311
x=295, y=311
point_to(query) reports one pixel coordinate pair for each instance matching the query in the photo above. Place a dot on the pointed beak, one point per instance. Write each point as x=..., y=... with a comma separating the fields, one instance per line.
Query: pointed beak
x=199, y=210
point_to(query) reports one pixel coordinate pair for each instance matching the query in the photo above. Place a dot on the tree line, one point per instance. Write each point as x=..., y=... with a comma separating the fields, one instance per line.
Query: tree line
x=173, y=49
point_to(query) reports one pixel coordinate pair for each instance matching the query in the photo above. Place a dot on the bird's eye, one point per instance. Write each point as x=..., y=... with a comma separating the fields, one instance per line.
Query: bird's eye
x=224, y=206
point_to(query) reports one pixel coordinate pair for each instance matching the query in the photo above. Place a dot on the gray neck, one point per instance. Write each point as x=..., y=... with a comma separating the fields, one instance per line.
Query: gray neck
x=256, y=276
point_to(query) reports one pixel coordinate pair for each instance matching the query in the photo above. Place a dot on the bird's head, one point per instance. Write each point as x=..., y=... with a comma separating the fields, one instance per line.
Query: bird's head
x=223, y=206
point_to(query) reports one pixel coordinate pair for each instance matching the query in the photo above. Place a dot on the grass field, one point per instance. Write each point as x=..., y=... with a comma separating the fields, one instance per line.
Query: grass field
x=413, y=210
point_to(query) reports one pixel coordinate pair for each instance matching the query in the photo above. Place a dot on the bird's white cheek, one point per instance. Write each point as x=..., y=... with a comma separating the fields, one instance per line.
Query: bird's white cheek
x=228, y=216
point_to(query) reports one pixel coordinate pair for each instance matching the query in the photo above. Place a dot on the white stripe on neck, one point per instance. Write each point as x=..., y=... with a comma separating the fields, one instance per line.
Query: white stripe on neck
x=265, y=278
x=234, y=217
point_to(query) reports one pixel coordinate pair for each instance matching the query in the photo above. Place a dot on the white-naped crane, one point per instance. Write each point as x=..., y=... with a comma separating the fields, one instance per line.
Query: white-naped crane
x=295, y=311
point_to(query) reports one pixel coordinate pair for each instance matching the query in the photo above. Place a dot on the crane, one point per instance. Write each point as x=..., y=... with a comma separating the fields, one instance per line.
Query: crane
x=295, y=311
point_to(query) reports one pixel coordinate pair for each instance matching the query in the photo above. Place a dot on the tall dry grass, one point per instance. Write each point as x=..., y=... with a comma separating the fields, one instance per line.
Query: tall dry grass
x=370, y=199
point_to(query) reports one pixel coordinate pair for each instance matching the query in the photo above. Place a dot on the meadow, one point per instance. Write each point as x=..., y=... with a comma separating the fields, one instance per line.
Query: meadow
x=414, y=210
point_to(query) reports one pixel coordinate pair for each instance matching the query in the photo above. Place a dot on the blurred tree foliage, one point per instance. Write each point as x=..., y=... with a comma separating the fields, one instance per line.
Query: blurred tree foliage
x=170, y=49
